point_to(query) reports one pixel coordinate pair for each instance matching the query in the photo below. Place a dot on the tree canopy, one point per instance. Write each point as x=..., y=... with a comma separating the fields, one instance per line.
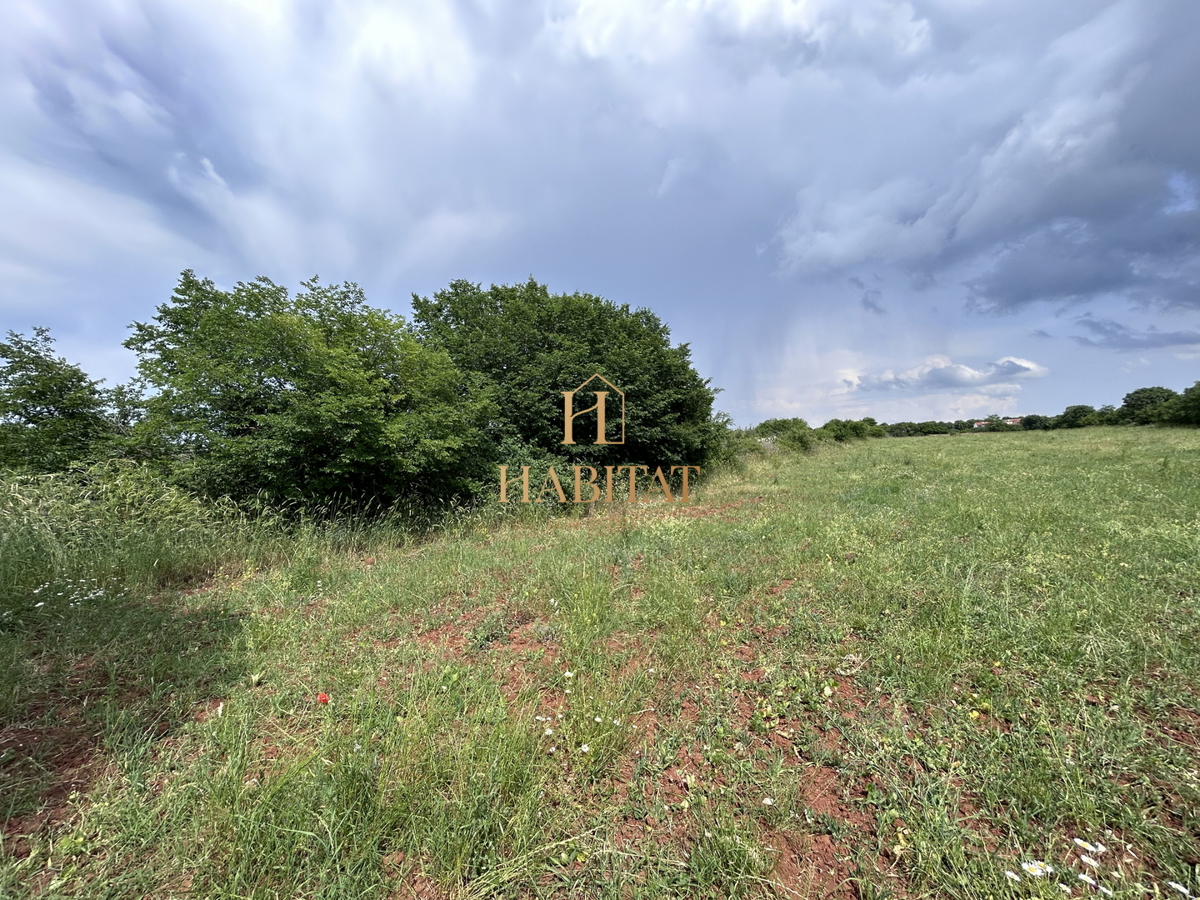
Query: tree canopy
x=1141, y=406
x=530, y=345
x=304, y=398
x=51, y=413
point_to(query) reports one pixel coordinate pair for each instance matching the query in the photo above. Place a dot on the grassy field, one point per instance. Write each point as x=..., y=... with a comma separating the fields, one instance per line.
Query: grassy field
x=897, y=669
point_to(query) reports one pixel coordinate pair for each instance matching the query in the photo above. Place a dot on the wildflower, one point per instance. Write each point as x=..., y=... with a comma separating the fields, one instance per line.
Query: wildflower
x=1086, y=846
x=616, y=721
x=768, y=801
x=1087, y=878
x=1011, y=876
x=322, y=697
x=548, y=732
x=597, y=719
x=584, y=748
x=552, y=749
x=1062, y=887
x=1036, y=868
x=1105, y=891
x=568, y=674
x=1091, y=862
x=1179, y=887
x=42, y=603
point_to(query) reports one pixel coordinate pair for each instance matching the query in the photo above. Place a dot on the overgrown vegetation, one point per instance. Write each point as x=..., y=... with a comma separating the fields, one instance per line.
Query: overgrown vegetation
x=886, y=668
x=263, y=634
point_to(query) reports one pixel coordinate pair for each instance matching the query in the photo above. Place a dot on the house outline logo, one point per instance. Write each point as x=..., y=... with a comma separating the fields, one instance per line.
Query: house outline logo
x=601, y=408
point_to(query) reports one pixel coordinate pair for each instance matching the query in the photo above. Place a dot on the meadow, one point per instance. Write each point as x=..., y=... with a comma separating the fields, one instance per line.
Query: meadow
x=960, y=666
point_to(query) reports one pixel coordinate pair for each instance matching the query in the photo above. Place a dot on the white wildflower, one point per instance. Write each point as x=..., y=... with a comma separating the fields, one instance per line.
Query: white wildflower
x=1091, y=862
x=584, y=748
x=1087, y=878
x=1086, y=846
x=1037, y=868
x=1011, y=876
x=768, y=801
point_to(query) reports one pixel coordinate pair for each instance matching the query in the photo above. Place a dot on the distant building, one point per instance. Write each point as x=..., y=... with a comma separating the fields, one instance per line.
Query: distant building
x=982, y=423
x=1016, y=421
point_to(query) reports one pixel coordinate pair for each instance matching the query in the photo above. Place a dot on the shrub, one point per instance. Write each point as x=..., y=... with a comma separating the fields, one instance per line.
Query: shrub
x=306, y=400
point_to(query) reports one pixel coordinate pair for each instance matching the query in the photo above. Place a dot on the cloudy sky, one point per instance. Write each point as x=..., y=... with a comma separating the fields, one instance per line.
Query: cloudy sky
x=911, y=210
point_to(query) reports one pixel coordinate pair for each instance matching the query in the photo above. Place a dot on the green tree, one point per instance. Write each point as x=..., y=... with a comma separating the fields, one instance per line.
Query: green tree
x=1077, y=416
x=1140, y=407
x=842, y=430
x=794, y=434
x=303, y=399
x=1183, y=409
x=530, y=345
x=51, y=413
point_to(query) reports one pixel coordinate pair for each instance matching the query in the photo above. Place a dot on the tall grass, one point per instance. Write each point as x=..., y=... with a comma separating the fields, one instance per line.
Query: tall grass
x=116, y=525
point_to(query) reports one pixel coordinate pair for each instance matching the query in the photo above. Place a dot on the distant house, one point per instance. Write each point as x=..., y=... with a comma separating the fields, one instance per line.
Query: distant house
x=1016, y=421
x=982, y=423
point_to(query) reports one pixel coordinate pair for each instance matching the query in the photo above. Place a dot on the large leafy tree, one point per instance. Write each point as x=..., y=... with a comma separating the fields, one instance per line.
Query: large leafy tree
x=1183, y=409
x=51, y=413
x=1078, y=416
x=304, y=399
x=531, y=345
x=1141, y=406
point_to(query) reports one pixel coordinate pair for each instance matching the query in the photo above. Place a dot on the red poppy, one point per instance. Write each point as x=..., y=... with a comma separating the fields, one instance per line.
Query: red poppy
x=322, y=697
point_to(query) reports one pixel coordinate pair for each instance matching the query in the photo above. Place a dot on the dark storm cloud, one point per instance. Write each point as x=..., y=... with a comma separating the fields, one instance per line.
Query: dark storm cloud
x=732, y=163
x=1115, y=336
x=869, y=297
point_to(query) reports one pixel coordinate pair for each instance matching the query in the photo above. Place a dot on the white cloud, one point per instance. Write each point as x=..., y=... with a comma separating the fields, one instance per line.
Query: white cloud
x=940, y=374
x=656, y=32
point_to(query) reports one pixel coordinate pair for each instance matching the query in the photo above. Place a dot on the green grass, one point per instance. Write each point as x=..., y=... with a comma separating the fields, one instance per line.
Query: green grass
x=895, y=669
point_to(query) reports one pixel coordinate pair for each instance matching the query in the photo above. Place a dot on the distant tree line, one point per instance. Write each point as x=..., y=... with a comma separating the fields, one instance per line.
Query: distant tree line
x=1144, y=406
x=257, y=394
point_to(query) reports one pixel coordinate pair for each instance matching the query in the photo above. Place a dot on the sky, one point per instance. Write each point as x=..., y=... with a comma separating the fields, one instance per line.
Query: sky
x=928, y=209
